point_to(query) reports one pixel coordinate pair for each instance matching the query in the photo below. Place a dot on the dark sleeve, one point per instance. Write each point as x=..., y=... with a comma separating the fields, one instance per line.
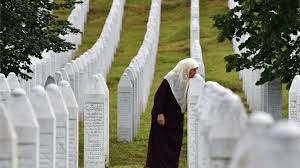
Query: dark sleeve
x=161, y=97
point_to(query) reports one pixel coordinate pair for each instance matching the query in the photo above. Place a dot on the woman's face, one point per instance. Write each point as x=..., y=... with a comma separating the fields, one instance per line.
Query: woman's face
x=193, y=72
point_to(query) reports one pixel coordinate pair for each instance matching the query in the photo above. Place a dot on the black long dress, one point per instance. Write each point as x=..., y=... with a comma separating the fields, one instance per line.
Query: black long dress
x=165, y=142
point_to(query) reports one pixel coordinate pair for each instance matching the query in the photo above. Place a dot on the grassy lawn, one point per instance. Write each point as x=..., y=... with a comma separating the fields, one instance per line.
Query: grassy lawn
x=173, y=46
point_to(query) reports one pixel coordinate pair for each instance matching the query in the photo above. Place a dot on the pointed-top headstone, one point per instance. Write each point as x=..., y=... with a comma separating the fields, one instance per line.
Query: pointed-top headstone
x=25, y=123
x=13, y=81
x=258, y=127
x=62, y=125
x=8, y=141
x=65, y=75
x=106, y=115
x=73, y=109
x=294, y=99
x=280, y=148
x=94, y=153
x=4, y=88
x=50, y=80
x=58, y=76
x=47, y=121
x=125, y=109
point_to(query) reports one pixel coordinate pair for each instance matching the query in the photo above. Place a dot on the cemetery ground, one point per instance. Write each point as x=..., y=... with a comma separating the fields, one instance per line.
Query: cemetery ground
x=173, y=46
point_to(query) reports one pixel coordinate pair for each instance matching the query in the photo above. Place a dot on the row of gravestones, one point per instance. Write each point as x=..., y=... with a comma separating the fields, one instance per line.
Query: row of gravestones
x=134, y=85
x=266, y=97
x=40, y=128
x=196, y=51
x=222, y=136
x=79, y=73
x=98, y=58
x=51, y=62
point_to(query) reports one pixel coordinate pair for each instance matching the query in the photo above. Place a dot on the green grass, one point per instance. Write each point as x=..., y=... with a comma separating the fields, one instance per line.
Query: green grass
x=173, y=46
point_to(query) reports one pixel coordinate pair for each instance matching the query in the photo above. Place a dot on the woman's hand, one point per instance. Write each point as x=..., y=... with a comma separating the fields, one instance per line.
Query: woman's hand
x=161, y=119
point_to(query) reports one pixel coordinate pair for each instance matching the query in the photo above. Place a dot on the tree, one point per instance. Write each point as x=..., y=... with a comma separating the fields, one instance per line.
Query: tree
x=274, y=42
x=27, y=28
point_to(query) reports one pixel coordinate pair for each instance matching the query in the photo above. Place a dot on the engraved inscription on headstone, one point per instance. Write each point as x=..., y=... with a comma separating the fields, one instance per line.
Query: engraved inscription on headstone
x=94, y=135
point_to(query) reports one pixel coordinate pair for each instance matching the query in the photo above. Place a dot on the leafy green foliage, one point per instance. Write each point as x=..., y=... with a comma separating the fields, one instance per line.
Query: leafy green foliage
x=270, y=24
x=27, y=28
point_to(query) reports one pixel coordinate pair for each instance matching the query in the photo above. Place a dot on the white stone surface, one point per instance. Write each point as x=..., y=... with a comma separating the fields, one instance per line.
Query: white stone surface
x=294, y=100
x=8, y=141
x=13, y=81
x=277, y=149
x=73, y=109
x=58, y=76
x=4, y=88
x=62, y=125
x=258, y=126
x=94, y=154
x=195, y=90
x=47, y=121
x=71, y=75
x=22, y=116
x=106, y=119
x=65, y=75
x=125, y=109
x=230, y=121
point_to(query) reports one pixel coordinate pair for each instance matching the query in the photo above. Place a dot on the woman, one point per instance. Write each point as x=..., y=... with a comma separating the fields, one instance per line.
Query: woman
x=170, y=103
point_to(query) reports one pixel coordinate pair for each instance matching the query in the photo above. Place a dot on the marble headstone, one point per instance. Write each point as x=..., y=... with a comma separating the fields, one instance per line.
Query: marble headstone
x=47, y=121
x=8, y=141
x=13, y=81
x=22, y=116
x=73, y=109
x=195, y=90
x=4, y=88
x=94, y=154
x=125, y=109
x=294, y=100
x=62, y=125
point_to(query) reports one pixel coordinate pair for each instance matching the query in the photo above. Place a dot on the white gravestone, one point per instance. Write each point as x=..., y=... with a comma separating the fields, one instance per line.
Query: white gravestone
x=58, y=76
x=133, y=78
x=106, y=119
x=71, y=74
x=273, y=98
x=12, y=80
x=73, y=109
x=8, y=141
x=4, y=88
x=279, y=148
x=65, y=75
x=257, y=127
x=210, y=97
x=25, y=123
x=294, y=100
x=125, y=109
x=230, y=121
x=77, y=79
x=94, y=154
x=47, y=121
x=195, y=90
x=62, y=125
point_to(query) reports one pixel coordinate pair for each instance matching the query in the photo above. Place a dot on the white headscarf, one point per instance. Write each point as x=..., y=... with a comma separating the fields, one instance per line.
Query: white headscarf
x=179, y=81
